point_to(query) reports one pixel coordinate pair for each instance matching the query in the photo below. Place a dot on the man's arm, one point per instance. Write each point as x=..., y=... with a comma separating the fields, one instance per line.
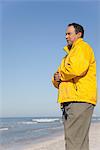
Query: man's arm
x=76, y=65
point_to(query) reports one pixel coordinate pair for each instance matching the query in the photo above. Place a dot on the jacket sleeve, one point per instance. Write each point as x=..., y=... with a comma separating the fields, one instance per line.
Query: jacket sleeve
x=76, y=64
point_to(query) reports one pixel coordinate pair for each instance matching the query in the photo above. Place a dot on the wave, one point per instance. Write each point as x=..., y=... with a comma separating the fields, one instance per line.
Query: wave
x=39, y=120
x=45, y=120
x=26, y=122
x=3, y=129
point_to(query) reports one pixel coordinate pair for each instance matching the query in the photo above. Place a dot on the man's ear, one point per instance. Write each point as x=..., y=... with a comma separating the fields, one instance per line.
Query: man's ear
x=79, y=34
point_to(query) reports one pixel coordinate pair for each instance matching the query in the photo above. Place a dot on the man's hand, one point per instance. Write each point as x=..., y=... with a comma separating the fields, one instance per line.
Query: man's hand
x=57, y=77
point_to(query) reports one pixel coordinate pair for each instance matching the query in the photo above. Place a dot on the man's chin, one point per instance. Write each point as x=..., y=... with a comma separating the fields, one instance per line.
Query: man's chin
x=69, y=44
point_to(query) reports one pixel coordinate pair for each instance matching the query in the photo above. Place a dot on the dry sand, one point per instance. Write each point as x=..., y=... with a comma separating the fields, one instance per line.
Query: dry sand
x=57, y=143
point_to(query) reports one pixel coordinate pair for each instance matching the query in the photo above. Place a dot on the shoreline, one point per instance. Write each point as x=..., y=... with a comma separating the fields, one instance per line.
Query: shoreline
x=57, y=141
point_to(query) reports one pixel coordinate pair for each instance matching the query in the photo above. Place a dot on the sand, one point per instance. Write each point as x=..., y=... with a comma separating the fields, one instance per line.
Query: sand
x=57, y=142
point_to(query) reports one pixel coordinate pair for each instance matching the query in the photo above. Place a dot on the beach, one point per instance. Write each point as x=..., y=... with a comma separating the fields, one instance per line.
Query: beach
x=57, y=142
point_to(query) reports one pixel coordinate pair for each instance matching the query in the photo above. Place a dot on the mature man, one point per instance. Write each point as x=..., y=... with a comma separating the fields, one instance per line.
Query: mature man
x=75, y=80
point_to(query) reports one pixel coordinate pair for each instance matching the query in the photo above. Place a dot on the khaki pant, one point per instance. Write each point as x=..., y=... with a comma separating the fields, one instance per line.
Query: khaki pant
x=76, y=125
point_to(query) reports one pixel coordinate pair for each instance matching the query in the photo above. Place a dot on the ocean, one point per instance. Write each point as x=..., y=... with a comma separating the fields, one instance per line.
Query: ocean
x=19, y=133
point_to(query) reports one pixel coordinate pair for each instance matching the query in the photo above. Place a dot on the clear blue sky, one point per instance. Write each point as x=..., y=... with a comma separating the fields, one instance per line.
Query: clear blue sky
x=31, y=48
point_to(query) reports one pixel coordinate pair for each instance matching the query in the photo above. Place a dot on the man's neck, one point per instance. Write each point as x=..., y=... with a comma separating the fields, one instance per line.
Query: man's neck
x=69, y=47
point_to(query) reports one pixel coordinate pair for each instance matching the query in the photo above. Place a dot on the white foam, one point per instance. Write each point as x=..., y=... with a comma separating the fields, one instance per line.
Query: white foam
x=45, y=120
x=3, y=129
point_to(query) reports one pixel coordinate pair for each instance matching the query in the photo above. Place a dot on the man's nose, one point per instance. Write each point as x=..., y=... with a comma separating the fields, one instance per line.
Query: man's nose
x=66, y=36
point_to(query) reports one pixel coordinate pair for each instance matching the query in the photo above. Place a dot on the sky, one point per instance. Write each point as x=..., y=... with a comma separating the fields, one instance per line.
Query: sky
x=32, y=37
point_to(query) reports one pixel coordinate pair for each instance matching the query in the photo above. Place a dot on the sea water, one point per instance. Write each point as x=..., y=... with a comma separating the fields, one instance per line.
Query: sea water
x=17, y=133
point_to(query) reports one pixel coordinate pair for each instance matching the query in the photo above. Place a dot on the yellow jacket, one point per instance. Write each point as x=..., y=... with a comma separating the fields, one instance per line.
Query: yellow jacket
x=78, y=74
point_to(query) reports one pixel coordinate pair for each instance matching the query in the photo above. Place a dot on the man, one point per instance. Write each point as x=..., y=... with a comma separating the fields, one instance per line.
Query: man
x=75, y=80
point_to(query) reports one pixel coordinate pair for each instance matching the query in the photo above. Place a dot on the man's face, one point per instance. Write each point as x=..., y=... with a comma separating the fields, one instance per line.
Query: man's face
x=71, y=36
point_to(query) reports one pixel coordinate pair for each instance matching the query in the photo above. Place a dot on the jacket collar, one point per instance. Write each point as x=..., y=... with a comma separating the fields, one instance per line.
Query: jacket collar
x=74, y=44
x=66, y=49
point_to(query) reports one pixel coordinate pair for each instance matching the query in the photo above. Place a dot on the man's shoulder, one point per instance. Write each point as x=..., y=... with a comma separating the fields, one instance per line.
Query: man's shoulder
x=86, y=48
x=85, y=45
